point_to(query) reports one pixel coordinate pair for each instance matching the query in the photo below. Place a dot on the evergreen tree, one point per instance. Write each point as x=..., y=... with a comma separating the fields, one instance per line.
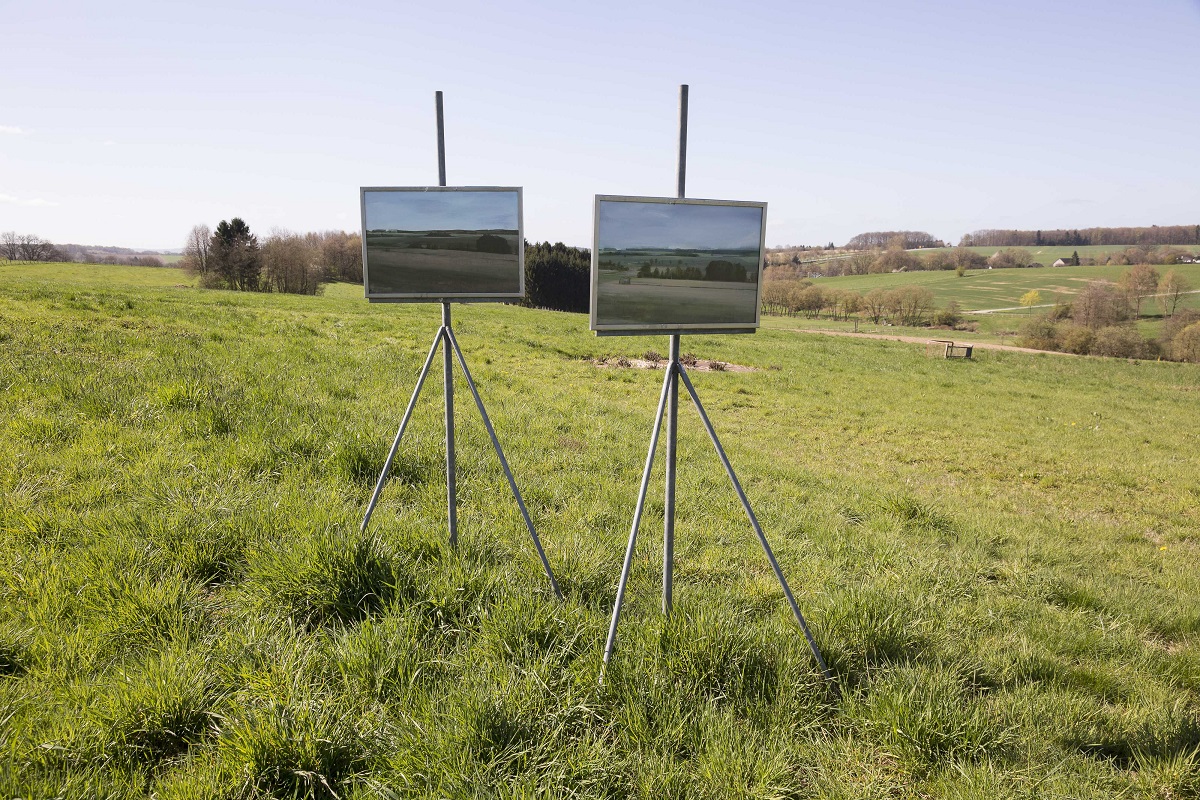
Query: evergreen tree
x=1075, y=258
x=234, y=256
x=559, y=277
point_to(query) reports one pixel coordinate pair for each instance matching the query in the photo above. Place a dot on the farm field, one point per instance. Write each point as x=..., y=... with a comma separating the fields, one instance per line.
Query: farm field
x=719, y=293
x=980, y=289
x=998, y=559
x=623, y=300
x=443, y=261
x=1043, y=255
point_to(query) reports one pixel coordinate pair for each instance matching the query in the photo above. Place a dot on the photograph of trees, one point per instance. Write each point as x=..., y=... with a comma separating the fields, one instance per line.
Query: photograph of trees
x=431, y=244
x=674, y=263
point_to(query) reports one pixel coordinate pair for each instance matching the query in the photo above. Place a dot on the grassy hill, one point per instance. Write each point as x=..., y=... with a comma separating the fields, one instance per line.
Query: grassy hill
x=998, y=288
x=998, y=559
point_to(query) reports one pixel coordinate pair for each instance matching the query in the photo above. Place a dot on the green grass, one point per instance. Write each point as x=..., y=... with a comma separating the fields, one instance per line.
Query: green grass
x=998, y=559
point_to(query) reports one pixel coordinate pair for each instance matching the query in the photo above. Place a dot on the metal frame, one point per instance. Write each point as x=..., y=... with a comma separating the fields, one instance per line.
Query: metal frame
x=673, y=328
x=668, y=404
x=436, y=297
x=449, y=343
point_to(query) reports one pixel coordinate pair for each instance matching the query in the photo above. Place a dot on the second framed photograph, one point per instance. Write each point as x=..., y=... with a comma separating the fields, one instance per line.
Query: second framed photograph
x=666, y=265
x=438, y=243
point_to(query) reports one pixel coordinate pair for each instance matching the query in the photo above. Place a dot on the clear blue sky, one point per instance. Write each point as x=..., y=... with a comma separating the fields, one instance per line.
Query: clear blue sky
x=128, y=122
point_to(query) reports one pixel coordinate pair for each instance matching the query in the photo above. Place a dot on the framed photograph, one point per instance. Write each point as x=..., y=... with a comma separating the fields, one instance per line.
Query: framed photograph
x=437, y=243
x=665, y=265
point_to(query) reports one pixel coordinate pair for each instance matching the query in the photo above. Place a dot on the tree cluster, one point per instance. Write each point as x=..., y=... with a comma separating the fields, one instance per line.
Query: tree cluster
x=557, y=277
x=905, y=240
x=1098, y=321
x=27, y=247
x=905, y=305
x=296, y=263
x=1153, y=236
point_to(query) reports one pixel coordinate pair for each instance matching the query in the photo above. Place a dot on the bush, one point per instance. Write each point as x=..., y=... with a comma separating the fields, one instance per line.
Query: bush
x=1076, y=339
x=947, y=317
x=1039, y=333
x=1119, y=342
x=1186, y=344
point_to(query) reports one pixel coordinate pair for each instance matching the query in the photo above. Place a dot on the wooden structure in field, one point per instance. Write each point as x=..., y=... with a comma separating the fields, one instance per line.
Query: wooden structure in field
x=948, y=349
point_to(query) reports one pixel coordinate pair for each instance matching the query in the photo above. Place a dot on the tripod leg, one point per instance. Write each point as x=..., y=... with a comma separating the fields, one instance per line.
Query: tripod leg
x=637, y=519
x=387, y=465
x=512, y=484
x=762, y=539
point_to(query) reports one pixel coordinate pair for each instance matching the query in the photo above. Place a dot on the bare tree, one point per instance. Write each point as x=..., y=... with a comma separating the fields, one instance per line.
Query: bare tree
x=195, y=250
x=290, y=263
x=1171, y=288
x=10, y=247
x=1099, y=305
x=875, y=304
x=1139, y=282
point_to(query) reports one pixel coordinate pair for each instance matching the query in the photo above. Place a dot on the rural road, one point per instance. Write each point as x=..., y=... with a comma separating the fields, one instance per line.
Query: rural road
x=926, y=340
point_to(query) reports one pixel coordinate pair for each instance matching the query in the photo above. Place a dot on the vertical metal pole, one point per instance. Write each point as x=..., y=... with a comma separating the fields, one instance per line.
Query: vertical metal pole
x=669, y=505
x=633, y=529
x=448, y=363
x=673, y=391
x=387, y=465
x=441, y=134
x=448, y=357
x=683, y=114
x=512, y=483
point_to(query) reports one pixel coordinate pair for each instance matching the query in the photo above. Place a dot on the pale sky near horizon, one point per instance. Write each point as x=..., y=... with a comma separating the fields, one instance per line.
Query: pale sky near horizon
x=128, y=122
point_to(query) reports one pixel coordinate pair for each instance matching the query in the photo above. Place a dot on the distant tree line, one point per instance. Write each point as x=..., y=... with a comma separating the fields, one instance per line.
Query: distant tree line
x=557, y=276
x=1153, y=236
x=906, y=240
x=1101, y=319
x=904, y=305
x=27, y=247
x=231, y=257
x=960, y=259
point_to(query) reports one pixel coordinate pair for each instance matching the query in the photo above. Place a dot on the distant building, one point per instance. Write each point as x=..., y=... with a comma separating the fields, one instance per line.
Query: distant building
x=1061, y=263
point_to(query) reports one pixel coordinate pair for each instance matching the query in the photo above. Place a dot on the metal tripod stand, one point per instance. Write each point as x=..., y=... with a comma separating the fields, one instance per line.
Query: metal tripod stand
x=446, y=339
x=669, y=402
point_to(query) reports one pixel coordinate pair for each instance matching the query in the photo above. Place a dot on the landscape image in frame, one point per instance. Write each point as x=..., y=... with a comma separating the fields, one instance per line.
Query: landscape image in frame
x=439, y=243
x=667, y=264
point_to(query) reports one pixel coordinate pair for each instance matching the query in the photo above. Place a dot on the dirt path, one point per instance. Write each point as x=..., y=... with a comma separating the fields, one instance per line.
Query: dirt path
x=926, y=340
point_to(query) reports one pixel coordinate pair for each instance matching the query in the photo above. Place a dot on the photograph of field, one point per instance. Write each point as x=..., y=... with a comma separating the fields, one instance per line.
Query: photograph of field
x=430, y=244
x=660, y=265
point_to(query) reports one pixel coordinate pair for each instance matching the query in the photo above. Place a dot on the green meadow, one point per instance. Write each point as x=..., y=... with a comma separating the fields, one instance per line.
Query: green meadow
x=987, y=290
x=983, y=289
x=998, y=558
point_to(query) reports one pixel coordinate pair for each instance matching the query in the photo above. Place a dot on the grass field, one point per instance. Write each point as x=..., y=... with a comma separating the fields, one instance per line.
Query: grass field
x=998, y=558
x=981, y=289
x=989, y=289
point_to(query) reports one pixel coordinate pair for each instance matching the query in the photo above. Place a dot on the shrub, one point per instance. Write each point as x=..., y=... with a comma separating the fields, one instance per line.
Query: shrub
x=1186, y=344
x=947, y=317
x=1076, y=339
x=1119, y=342
x=1039, y=333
